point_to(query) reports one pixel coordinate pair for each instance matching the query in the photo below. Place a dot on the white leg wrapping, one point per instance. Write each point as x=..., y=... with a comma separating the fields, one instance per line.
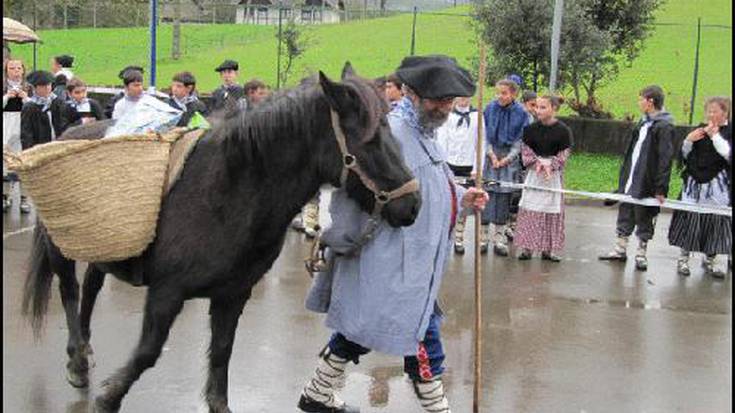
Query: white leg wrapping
x=329, y=374
x=431, y=396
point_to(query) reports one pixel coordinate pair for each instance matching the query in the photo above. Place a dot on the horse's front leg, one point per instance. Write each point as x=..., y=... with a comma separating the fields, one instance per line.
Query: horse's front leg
x=224, y=313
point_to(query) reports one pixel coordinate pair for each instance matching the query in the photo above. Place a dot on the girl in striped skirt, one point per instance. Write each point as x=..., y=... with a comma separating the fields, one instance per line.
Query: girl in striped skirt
x=707, y=181
x=545, y=150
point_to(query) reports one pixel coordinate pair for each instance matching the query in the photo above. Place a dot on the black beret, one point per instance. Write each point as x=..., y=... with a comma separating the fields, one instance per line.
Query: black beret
x=227, y=65
x=60, y=80
x=40, y=78
x=436, y=77
x=64, y=60
x=122, y=72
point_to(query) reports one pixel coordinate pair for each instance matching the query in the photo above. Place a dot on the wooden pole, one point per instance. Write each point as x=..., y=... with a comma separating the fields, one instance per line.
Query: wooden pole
x=478, y=238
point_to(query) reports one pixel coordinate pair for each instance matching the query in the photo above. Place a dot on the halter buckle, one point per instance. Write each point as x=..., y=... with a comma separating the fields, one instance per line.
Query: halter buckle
x=382, y=197
x=349, y=160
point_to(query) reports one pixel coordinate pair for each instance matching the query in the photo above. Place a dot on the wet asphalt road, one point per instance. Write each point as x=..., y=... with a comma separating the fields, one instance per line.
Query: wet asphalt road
x=578, y=336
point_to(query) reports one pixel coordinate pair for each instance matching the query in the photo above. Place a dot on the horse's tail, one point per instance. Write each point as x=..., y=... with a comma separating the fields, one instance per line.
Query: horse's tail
x=37, y=288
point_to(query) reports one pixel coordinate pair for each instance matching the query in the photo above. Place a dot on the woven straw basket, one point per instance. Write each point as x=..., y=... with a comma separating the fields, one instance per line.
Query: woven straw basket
x=98, y=199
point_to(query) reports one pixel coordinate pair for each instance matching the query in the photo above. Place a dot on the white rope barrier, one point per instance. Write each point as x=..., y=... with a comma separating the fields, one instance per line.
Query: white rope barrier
x=627, y=199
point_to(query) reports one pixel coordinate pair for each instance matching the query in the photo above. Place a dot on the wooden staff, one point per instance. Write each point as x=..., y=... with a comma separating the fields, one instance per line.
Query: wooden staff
x=478, y=238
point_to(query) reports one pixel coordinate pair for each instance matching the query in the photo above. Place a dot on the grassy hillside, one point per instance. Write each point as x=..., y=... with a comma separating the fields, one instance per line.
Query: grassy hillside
x=376, y=47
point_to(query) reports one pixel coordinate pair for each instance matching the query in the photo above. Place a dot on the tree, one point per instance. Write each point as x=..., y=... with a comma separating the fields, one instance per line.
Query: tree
x=597, y=36
x=293, y=45
x=519, y=33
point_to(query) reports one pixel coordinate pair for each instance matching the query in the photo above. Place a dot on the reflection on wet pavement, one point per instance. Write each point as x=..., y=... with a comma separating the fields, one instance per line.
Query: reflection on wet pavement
x=576, y=336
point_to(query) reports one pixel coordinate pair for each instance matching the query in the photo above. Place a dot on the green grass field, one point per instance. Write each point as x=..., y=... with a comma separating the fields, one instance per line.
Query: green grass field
x=599, y=173
x=376, y=47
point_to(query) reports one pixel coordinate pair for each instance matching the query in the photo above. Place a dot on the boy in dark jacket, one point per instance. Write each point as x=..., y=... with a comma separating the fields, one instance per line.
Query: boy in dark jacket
x=79, y=108
x=184, y=97
x=645, y=174
x=41, y=118
x=230, y=94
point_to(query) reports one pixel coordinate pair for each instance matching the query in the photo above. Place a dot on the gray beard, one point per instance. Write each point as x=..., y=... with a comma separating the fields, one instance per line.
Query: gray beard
x=429, y=121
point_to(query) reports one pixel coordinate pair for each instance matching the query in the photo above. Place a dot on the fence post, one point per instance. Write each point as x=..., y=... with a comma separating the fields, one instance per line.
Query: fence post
x=413, y=32
x=35, y=48
x=278, y=58
x=696, y=70
x=154, y=21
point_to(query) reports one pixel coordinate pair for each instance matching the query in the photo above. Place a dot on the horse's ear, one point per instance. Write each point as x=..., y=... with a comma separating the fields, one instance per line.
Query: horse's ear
x=348, y=70
x=335, y=93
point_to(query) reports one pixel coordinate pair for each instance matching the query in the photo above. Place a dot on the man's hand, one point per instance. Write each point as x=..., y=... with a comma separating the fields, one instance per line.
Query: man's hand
x=475, y=198
x=661, y=199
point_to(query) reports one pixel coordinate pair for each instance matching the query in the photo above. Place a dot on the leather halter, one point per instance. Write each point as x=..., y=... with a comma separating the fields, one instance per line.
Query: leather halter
x=316, y=261
x=349, y=162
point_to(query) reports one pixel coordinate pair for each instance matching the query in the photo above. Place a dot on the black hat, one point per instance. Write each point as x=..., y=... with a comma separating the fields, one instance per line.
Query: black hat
x=122, y=72
x=227, y=65
x=64, y=60
x=40, y=78
x=436, y=77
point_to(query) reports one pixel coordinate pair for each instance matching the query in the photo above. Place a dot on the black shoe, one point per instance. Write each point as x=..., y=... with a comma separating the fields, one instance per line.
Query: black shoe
x=524, y=255
x=309, y=405
x=641, y=263
x=483, y=248
x=550, y=257
x=613, y=256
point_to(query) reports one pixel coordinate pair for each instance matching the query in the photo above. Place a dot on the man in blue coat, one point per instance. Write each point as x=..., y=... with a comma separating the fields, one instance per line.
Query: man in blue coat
x=381, y=294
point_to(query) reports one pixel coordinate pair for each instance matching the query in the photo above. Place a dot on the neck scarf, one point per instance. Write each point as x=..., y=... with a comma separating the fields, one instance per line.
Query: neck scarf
x=44, y=102
x=183, y=103
x=504, y=123
x=464, y=116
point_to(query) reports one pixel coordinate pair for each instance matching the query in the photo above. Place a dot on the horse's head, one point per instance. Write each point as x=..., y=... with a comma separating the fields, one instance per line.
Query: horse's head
x=372, y=171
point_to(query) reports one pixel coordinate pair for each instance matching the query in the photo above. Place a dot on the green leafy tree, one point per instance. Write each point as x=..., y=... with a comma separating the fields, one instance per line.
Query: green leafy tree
x=293, y=45
x=597, y=37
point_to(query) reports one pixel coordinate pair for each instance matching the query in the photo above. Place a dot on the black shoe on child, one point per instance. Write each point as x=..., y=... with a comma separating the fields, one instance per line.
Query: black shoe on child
x=547, y=256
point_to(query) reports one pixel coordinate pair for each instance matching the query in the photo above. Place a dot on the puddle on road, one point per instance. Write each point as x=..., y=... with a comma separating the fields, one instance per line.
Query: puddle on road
x=642, y=305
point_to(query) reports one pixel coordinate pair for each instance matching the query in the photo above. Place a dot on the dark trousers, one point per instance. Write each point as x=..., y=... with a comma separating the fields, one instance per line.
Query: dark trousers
x=425, y=365
x=497, y=210
x=638, y=217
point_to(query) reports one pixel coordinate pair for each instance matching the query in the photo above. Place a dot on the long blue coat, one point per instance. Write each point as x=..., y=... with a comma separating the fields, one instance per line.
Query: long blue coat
x=382, y=297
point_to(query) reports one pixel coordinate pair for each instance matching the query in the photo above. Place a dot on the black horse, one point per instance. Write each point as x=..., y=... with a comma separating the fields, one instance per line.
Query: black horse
x=224, y=222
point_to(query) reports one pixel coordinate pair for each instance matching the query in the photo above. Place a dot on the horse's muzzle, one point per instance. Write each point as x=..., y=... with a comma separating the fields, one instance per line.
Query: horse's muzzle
x=402, y=212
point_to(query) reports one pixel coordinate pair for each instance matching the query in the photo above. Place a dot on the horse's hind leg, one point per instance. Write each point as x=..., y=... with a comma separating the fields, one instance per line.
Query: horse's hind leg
x=77, y=366
x=161, y=308
x=224, y=314
x=94, y=278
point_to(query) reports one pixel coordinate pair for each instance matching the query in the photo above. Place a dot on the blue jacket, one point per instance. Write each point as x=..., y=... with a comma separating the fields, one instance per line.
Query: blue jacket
x=383, y=297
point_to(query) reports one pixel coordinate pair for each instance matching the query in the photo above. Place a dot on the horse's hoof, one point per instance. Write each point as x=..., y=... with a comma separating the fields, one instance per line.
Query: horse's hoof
x=218, y=406
x=102, y=405
x=77, y=379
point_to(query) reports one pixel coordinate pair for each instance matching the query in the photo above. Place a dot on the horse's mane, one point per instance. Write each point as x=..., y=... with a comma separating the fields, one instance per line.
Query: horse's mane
x=300, y=113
